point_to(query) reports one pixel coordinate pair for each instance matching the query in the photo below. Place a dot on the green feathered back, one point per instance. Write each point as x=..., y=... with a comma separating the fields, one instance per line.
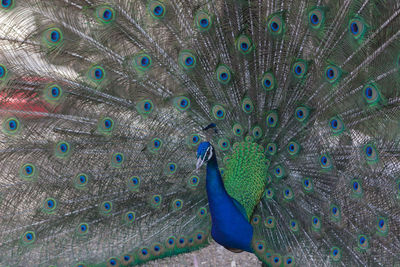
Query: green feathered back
x=245, y=175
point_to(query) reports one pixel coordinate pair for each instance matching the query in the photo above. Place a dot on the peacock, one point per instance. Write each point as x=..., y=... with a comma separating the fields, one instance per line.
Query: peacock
x=134, y=130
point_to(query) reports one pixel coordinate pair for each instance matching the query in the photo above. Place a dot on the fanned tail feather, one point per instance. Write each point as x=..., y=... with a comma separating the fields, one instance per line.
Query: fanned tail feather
x=103, y=105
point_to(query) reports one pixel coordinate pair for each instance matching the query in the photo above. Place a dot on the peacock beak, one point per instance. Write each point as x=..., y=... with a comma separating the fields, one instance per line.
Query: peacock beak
x=200, y=162
x=206, y=157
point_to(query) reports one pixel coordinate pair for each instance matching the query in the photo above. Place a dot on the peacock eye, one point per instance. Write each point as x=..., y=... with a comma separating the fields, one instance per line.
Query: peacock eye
x=208, y=153
x=203, y=21
x=105, y=14
x=332, y=74
x=187, y=59
x=157, y=9
x=268, y=81
x=275, y=25
x=336, y=125
x=223, y=74
x=244, y=44
x=3, y=72
x=357, y=28
x=316, y=18
x=142, y=61
x=300, y=68
x=53, y=36
x=7, y=4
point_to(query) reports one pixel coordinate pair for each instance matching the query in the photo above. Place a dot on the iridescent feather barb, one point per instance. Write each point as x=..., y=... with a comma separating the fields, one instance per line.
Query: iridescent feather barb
x=292, y=106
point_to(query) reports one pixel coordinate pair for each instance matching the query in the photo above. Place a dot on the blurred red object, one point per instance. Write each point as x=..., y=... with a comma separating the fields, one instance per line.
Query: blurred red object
x=26, y=103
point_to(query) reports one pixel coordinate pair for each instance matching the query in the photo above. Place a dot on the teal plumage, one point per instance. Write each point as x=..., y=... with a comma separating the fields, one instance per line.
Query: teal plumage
x=104, y=104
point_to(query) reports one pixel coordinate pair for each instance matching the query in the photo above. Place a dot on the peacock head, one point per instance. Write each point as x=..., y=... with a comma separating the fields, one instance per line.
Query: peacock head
x=205, y=152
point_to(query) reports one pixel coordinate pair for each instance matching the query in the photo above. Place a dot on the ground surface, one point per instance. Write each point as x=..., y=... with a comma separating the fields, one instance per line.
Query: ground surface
x=213, y=255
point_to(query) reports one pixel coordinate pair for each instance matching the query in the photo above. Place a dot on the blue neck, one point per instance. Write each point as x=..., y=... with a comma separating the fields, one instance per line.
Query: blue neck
x=229, y=228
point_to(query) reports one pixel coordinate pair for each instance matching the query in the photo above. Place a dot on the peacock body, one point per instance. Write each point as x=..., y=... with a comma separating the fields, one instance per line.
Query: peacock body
x=109, y=109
